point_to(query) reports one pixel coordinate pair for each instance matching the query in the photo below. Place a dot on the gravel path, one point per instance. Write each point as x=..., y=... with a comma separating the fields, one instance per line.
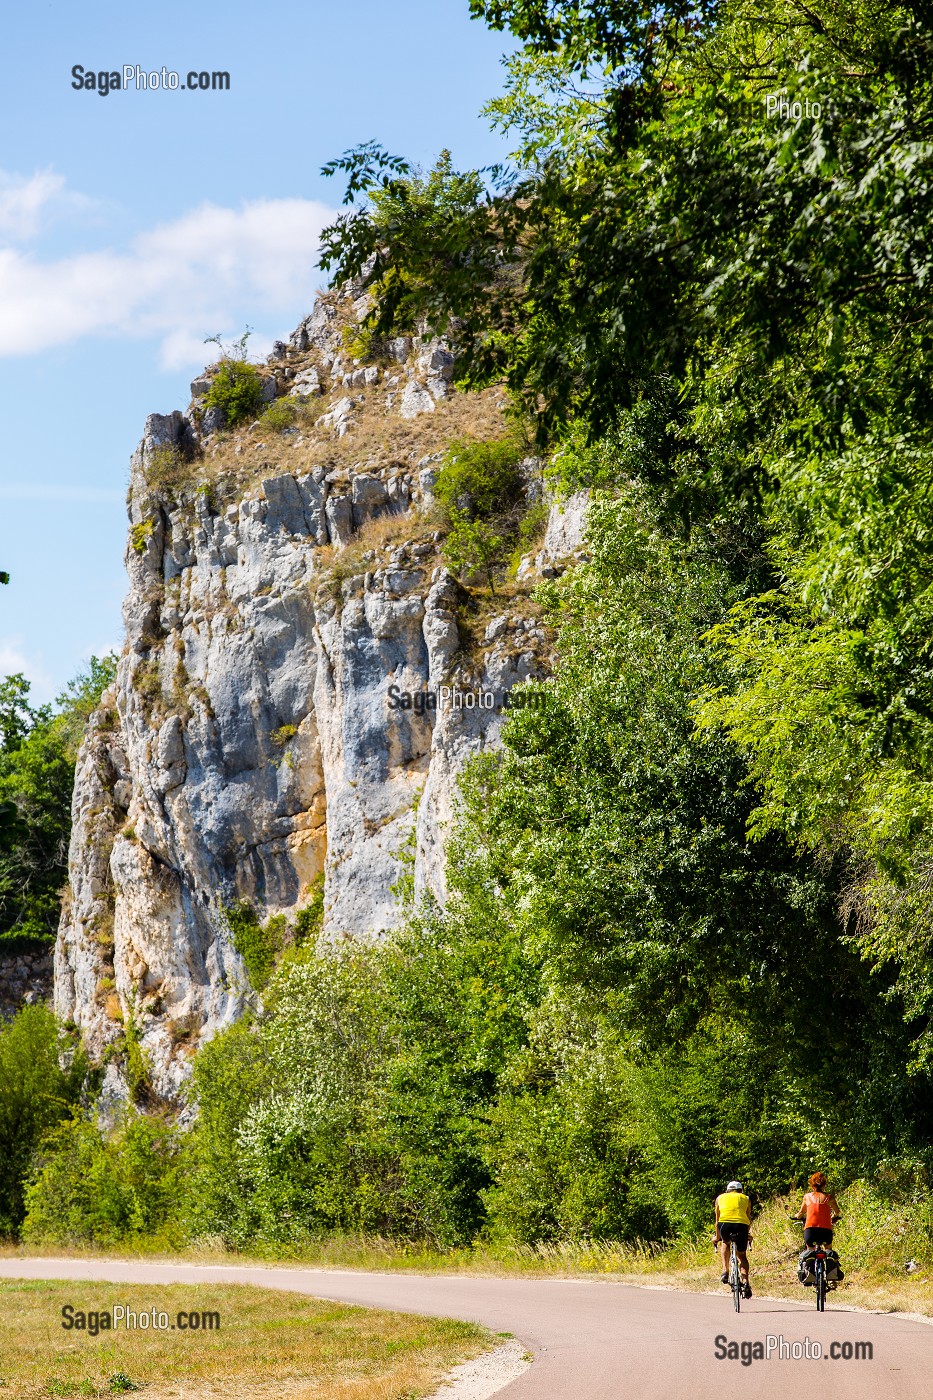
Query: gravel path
x=486, y=1375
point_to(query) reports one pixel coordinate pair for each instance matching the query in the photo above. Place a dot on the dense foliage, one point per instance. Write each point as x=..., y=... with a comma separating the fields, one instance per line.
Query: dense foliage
x=97, y=1190
x=38, y=748
x=236, y=389
x=679, y=242
x=483, y=492
x=689, y=926
x=36, y=1093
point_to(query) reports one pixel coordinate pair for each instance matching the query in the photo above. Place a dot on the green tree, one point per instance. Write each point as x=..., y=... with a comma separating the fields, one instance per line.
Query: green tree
x=36, y=1093
x=660, y=223
x=95, y=1188
x=38, y=748
x=473, y=545
x=480, y=486
x=617, y=837
x=665, y=238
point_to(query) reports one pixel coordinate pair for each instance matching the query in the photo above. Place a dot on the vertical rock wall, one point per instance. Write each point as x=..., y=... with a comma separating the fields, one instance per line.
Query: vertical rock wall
x=257, y=740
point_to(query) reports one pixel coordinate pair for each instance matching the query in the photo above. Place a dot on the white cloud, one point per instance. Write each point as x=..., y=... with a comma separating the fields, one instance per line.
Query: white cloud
x=23, y=199
x=28, y=202
x=178, y=282
x=183, y=349
x=14, y=659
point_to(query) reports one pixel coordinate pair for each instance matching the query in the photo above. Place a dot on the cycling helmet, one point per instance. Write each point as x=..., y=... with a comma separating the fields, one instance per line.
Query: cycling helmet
x=735, y=1186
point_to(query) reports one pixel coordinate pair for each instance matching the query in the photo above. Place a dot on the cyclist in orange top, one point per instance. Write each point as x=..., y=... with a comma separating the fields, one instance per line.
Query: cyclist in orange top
x=819, y=1212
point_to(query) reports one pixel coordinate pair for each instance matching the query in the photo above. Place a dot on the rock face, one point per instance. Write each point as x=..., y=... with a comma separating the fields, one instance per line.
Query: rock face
x=272, y=728
x=25, y=978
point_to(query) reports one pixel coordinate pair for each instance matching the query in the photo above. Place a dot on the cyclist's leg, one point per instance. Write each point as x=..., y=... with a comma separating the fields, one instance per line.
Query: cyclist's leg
x=831, y=1283
x=724, y=1256
x=741, y=1249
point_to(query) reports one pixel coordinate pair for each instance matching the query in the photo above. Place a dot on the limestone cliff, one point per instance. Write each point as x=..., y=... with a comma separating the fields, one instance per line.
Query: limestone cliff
x=286, y=594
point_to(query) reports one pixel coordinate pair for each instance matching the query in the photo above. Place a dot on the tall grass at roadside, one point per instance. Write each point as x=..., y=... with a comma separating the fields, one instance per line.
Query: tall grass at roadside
x=885, y=1241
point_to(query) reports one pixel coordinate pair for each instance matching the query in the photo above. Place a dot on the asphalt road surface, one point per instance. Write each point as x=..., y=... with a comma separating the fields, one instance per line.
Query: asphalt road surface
x=607, y=1341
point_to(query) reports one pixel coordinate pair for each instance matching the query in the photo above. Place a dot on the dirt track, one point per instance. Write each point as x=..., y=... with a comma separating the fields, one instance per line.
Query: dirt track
x=599, y=1340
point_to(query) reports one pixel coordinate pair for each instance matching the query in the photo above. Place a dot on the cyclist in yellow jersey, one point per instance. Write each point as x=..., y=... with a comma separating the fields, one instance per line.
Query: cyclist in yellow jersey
x=733, y=1222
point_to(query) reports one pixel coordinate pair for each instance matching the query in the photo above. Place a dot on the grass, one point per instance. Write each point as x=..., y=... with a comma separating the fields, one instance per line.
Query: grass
x=875, y=1243
x=478, y=606
x=269, y=1344
x=373, y=538
x=235, y=461
x=375, y=436
x=875, y=1274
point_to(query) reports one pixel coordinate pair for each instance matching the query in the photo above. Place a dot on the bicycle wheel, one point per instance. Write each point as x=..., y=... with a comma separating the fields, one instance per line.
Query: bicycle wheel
x=820, y=1288
x=735, y=1278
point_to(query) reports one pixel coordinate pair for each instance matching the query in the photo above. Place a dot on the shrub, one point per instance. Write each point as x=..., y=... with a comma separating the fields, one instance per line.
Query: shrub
x=35, y=1094
x=480, y=479
x=473, y=546
x=258, y=944
x=310, y=920
x=563, y=1142
x=236, y=389
x=481, y=487
x=280, y=415
x=105, y=1189
x=167, y=468
x=140, y=535
x=231, y=1072
x=313, y=1151
x=280, y=737
x=136, y=1062
x=147, y=682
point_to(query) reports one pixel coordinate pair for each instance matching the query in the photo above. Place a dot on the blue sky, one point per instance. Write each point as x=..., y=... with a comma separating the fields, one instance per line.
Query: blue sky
x=136, y=224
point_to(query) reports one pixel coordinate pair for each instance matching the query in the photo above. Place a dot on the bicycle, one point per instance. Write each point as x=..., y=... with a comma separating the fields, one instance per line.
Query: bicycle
x=820, y=1287
x=735, y=1275
x=819, y=1274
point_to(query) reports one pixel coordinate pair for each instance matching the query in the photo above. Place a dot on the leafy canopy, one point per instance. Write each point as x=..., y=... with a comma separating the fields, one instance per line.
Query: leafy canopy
x=38, y=749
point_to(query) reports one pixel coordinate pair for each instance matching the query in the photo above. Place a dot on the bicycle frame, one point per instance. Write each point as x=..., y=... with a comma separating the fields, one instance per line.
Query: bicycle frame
x=819, y=1271
x=735, y=1277
x=820, y=1288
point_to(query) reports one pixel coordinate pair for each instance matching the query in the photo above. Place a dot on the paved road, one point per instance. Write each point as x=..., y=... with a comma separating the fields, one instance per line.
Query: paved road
x=599, y=1340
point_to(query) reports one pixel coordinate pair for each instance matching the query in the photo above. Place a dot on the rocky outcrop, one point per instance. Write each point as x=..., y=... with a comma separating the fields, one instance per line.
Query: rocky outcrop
x=292, y=706
x=25, y=978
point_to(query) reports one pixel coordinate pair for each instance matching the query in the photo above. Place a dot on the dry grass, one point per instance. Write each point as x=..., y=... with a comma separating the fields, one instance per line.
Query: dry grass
x=375, y=536
x=380, y=436
x=868, y=1249
x=689, y=1266
x=479, y=606
x=874, y=1280
x=236, y=461
x=269, y=1344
